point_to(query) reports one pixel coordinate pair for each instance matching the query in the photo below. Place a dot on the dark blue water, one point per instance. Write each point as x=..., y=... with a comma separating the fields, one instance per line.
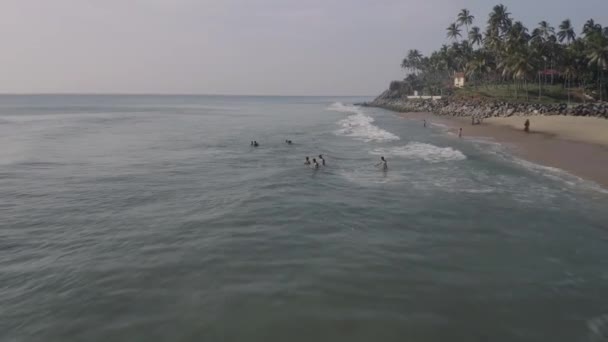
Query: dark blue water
x=151, y=218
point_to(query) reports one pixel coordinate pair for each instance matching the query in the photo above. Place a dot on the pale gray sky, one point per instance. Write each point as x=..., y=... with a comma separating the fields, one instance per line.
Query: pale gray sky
x=284, y=47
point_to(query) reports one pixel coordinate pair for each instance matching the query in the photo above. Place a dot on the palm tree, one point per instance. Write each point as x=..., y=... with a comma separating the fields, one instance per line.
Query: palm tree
x=475, y=36
x=446, y=56
x=405, y=64
x=544, y=31
x=500, y=19
x=519, y=66
x=598, y=57
x=566, y=32
x=590, y=27
x=466, y=53
x=570, y=69
x=478, y=66
x=542, y=37
x=413, y=61
x=518, y=33
x=465, y=18
x=453, y=32
x=578, y=49
x=492, y=40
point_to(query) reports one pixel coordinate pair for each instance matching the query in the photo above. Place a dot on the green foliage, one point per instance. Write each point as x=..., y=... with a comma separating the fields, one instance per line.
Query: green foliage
x=509, y=92
x=546, y=64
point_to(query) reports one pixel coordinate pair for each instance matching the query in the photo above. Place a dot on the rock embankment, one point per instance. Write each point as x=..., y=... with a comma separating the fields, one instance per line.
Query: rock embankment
x=485, y=108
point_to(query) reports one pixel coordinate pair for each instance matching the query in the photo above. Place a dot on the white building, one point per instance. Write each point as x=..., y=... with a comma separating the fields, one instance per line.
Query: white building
x=459, y=80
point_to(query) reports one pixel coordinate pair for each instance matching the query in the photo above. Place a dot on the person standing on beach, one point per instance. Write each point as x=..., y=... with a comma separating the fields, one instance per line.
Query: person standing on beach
x=527, y=125
x=460, y=133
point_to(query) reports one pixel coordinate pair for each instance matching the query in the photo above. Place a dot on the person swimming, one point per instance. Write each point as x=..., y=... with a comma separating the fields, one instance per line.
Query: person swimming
x=460, y=133
x=251, y=142
x=307, y=161
x=424, y=123
x=315, y=165
x=383, y=163
x=288, y=142
x=322, y=159
x=255, y=144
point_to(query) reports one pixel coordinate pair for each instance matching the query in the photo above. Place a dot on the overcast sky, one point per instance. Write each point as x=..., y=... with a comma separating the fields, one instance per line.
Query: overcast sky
x=278, y=47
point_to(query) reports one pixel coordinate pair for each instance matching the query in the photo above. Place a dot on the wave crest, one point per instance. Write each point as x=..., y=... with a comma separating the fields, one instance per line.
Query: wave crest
x=360, y=126
x=426, y=152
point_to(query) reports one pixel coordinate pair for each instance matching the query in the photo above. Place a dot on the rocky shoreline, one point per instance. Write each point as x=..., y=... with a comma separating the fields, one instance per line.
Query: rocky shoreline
x=484, y=108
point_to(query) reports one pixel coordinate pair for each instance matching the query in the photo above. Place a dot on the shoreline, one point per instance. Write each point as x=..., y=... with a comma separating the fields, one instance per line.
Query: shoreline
x=576, y=145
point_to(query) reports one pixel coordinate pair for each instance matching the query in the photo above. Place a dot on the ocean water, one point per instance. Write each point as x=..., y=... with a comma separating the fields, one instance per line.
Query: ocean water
x=151, y=218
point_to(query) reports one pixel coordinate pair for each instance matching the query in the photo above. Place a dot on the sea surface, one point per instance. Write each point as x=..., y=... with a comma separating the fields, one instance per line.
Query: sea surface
x=151, y=218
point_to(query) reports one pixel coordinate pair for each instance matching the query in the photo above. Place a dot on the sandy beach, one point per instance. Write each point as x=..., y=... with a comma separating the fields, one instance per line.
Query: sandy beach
x=578, y=145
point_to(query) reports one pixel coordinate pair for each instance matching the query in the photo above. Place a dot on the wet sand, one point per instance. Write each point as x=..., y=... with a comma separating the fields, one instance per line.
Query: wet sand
x=577, y=145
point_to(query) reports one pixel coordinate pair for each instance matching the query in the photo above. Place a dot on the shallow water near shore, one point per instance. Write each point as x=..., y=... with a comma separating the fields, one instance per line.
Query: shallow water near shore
x=128, y=218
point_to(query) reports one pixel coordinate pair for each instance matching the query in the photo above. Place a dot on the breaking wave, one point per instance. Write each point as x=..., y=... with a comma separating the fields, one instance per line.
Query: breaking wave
x=360, y=126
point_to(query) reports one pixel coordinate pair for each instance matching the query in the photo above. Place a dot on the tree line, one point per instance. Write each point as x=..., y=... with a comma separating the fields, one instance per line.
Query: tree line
x=506, y=52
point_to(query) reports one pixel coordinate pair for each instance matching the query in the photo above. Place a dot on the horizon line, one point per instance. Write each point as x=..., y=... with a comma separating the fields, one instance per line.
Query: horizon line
x=170, y=94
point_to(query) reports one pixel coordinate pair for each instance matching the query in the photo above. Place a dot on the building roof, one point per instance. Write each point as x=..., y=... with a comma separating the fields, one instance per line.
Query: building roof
x=549, y=72
x=459, y=74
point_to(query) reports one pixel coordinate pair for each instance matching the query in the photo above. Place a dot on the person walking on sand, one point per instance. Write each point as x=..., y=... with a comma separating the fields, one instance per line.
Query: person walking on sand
x=460, y=133
x=383, y=164
x=527, y=125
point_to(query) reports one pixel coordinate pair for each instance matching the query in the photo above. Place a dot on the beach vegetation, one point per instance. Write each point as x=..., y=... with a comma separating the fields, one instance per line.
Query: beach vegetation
x=502, y=57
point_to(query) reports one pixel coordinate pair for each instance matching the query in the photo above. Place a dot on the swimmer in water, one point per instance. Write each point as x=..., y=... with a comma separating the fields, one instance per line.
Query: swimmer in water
x=383, y=164
x=307, y=161
x=322, y=159
x=255, y=144
x=424, y=123
x=315, y=165
x=460, y=133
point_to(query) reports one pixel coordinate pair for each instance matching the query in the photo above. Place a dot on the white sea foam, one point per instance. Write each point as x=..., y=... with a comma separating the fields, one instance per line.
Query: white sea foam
x=561, y=176
x=360, y=126
x=426, y=152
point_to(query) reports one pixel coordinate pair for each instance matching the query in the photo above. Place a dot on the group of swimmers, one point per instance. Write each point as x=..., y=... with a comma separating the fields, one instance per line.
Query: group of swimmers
x=315, y=164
